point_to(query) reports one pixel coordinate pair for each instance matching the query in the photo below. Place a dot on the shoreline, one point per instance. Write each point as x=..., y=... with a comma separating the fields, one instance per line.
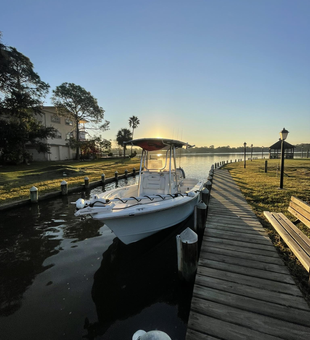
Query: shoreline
x=54, y=194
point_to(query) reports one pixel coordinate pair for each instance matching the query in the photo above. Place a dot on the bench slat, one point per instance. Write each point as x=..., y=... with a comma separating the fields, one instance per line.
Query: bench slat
x=301, y=203
x=300, y=209
x=293, y=237
x=297, y=234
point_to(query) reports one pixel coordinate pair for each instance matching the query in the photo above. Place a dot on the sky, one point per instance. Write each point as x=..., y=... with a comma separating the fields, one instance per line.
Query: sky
x=207, y=72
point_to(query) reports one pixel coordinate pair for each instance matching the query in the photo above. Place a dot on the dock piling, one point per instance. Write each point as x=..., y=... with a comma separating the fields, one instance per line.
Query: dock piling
x=205, y=196
x=187, y=253
x=64, y=188
x=34, y=194
x=86, y=182
x=208, y=185
x=200, y=216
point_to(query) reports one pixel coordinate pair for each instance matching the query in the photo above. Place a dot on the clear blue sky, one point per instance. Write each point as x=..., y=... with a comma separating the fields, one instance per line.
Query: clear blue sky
x=209, y=72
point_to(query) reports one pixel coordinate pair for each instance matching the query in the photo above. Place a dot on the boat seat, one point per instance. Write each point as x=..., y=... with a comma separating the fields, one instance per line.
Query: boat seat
x=153, y=184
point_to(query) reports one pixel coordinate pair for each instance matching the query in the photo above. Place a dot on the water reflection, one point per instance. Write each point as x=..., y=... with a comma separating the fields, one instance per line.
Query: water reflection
x=134, y=277
x=30, y=235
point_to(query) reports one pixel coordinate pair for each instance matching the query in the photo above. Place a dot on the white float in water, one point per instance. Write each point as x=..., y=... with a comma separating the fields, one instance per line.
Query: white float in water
x=152, y=335
x=80, y=203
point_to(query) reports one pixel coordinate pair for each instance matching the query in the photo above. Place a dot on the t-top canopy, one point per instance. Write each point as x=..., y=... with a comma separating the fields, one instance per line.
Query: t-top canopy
x=153, y=144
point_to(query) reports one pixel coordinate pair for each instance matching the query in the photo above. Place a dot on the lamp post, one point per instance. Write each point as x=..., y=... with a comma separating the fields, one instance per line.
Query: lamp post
x=244, y=144
x=283, y=135
x=251, y=152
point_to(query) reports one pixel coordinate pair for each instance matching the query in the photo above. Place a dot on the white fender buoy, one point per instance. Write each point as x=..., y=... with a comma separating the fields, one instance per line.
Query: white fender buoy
x=80, y=203
x=152, y=335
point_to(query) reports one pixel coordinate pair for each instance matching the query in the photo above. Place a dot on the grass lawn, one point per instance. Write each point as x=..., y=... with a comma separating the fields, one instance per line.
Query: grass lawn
x=262, y=192
x=15, y=181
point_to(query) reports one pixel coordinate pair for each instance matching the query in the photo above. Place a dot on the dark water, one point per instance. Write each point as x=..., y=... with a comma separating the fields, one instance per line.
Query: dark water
x=62, y=278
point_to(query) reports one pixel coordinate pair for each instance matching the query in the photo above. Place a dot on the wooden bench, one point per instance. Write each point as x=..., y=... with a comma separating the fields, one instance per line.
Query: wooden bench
x=298, y=242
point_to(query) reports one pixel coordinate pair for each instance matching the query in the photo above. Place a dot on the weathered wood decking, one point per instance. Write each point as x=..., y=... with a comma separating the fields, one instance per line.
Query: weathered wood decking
x=242, y=288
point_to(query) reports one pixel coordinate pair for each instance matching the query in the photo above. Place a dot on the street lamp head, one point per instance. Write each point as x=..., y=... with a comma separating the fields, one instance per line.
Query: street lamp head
x=283, y=134
x=244, y=144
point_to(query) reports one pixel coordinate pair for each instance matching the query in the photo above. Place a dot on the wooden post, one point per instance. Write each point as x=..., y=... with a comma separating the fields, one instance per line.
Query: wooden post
x=208, y=185
x=126, y=173
x=64, y=188
x=103, y=178
x=205, y=196
x=266, y=163
x=210, y=178
x=200, y=214
x=116, y=175
x=86, y=182
x=134, y=172
x=187, y=248
x=34, y=194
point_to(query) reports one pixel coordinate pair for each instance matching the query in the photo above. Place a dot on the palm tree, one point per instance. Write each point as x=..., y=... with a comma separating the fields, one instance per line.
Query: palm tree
x=133, y=123
x=122, y=136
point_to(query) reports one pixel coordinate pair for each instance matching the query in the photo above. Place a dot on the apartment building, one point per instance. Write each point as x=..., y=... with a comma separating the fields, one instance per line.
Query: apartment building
x=59, y=148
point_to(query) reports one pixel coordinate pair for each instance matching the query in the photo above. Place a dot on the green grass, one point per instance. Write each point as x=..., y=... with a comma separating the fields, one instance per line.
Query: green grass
x=15, y=181
x=262, y=192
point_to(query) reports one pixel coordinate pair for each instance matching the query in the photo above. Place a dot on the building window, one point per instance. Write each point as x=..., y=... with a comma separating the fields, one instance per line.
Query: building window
x=69, y=135
x=68, y=122
x=55, y=119
x=58, y=135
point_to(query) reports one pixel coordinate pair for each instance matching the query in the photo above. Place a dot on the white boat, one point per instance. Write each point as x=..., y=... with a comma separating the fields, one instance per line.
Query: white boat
x=162, y=198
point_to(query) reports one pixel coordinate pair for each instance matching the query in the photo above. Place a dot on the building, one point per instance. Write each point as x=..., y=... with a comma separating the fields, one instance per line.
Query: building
x=275, y=150
x=59, y=148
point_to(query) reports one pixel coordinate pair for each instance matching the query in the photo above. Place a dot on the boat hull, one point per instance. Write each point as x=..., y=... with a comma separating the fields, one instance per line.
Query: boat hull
x=137, y=226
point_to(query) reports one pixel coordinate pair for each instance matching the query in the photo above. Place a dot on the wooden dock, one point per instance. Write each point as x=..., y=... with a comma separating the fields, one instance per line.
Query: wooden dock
x=242, y=288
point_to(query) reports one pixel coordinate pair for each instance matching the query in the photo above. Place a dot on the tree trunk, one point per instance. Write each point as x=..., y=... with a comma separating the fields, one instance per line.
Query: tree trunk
x=124, y=151
x=132, y=138
x=77, y=157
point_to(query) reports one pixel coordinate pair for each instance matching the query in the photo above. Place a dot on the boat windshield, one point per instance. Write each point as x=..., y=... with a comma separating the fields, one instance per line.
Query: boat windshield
x=156, y=161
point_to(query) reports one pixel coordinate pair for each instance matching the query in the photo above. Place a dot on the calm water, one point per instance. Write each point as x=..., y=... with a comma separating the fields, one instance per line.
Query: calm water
x=62, y=278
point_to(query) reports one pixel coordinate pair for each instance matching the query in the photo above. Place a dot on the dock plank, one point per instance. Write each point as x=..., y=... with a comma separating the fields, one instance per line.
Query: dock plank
x=242, y=288
x=252, y=304
x=243, y=261
x=262, y=294
x=252, y=321
x=224, y=273
x=235, y=253
x=269, y=252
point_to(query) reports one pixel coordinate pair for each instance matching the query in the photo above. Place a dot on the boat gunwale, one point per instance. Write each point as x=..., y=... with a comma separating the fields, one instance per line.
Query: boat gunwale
x=178, y=201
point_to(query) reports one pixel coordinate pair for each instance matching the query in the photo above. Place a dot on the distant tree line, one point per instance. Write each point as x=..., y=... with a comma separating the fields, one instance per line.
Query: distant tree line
x=226, y=149
x=240, y=149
